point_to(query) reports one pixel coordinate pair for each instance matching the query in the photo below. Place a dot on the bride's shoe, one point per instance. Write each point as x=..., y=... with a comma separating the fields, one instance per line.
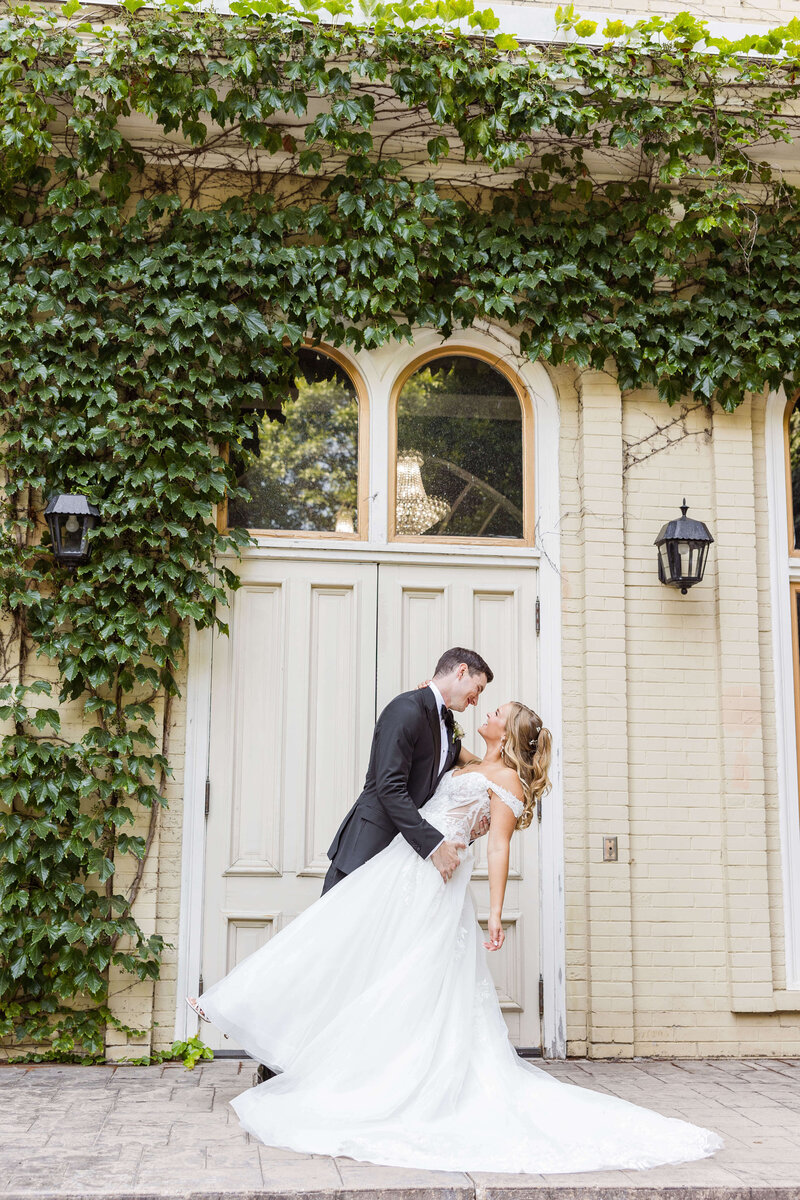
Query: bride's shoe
x=196, y=1009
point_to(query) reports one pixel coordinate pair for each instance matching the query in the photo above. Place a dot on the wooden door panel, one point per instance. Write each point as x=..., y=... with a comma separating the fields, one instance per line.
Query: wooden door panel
x=292, y=713
x=246, y=934
x=334, y=766
x=423, y=620
x=252, y=752
x=423, y=610
x=312, y=646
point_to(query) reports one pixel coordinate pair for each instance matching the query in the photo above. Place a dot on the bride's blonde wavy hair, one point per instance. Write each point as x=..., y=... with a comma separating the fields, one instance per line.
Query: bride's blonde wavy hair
x=527, y=747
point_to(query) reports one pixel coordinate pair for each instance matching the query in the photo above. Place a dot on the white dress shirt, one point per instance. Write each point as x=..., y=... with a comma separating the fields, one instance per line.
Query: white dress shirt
x=444, y=744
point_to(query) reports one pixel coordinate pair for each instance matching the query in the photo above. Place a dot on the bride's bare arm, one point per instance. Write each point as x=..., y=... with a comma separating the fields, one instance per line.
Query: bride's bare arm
x=501, y=828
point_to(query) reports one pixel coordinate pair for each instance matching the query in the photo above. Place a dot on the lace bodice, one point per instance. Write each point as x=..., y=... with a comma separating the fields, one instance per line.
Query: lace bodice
x=461, y=799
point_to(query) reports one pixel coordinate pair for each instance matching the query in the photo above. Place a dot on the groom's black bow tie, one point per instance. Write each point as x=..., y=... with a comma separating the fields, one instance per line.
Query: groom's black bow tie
x=448, y=718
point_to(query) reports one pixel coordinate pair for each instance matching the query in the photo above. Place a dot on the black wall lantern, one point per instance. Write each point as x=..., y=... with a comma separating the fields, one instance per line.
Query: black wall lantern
x=70, y=517
x=682, y=551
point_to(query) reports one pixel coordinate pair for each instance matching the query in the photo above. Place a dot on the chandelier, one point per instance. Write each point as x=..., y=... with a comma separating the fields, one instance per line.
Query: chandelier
x=416, y=510
x=345, y=520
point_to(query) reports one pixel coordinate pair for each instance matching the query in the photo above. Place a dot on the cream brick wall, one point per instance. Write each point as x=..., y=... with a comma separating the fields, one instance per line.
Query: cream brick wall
x=669, y=731
x=170, y=879
x=699, y=851
x=669, y=740
x=739, y=11
x=669, y=744
x=143, y=1005
x=71, y=714
x=130, y=1000
x=574, y=756
x=151, y=1005
x=609, y=933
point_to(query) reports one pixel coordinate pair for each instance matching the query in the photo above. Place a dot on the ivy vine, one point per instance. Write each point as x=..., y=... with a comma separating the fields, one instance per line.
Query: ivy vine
x=186, y=197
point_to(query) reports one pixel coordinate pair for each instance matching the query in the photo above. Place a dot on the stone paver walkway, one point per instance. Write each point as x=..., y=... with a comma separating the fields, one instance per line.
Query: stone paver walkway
x=120, y=1132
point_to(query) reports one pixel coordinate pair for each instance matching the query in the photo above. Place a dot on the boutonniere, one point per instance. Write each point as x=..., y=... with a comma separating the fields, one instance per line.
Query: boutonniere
x=458, y=732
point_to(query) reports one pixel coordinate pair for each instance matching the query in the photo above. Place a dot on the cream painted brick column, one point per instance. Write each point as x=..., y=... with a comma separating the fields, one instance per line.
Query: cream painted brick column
x=611, y=1024
x=741, y=739
x=575, y=756
x=130, y=999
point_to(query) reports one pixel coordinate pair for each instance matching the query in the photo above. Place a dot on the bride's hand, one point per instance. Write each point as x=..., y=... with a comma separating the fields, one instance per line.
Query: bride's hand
x=424, y=683
x=496, y=934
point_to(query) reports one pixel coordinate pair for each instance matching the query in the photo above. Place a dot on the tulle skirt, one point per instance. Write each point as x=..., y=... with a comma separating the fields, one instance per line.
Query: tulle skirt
x=377, y=1008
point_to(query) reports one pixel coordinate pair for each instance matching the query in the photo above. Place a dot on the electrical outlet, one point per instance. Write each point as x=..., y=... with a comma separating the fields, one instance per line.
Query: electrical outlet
x=610, y=849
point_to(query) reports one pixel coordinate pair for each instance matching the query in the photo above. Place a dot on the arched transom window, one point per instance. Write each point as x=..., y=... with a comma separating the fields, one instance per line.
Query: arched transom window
x=302, y=463
x=462, y=468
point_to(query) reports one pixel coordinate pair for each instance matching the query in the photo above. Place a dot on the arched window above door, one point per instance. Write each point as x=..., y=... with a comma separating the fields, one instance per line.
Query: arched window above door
x=304, y=465
x=463, y=467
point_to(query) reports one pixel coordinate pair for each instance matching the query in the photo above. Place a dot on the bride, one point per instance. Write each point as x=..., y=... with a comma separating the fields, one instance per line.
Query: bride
x=377, y=1009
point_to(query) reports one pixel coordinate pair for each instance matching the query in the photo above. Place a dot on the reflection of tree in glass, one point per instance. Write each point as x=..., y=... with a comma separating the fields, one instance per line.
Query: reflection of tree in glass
x=464, y=418
x=307, y=468
x=794, y=468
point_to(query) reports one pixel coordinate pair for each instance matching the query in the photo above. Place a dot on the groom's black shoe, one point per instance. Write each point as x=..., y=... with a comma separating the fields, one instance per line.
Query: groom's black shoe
x=262, y=1075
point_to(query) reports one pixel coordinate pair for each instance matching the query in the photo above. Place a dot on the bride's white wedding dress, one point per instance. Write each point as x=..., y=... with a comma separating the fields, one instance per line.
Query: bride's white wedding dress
x=377, y=1008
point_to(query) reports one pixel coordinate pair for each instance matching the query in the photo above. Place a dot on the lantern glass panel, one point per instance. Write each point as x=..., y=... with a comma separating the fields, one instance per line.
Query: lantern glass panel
x=72, y=533
x=702, y=555
x=459, y=431
x=304, y=473
x=663, y=555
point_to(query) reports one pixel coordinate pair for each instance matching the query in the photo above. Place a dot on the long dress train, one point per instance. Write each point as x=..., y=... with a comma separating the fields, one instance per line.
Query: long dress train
x=377, y=1008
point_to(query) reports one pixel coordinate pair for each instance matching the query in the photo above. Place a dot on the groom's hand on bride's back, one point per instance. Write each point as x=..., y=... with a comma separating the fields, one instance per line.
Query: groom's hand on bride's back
x=445, y=858
x=479, y=829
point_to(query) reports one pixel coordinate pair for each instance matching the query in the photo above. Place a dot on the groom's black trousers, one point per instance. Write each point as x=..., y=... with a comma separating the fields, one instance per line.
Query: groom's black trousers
x=333, y=877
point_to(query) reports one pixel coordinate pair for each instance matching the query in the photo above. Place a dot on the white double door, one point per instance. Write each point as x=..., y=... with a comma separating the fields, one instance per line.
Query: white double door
x=316, y=649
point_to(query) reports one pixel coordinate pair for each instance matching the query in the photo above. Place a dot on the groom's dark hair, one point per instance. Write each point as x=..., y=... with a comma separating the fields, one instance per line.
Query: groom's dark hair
x=453, y=658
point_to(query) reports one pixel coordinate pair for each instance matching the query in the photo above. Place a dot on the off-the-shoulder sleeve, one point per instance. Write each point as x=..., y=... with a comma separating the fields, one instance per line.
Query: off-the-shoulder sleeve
x=508, y=798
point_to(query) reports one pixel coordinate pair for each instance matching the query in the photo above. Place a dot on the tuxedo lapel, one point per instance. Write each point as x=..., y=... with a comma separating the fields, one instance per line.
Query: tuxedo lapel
x=429, y=703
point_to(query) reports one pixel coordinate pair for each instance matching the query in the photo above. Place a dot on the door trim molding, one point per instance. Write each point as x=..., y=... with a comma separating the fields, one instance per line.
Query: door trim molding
x=545, y=554
x=396, y=552
x=783, y=666
x=193, y=839
x=551, y=833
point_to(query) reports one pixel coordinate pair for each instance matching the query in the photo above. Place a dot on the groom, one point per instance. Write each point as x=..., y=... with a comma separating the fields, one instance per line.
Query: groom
x=413, y=745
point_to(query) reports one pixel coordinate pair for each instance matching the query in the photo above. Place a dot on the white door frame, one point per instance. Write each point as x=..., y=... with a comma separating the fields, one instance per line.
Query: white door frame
x=781, y=573
x=379, y=370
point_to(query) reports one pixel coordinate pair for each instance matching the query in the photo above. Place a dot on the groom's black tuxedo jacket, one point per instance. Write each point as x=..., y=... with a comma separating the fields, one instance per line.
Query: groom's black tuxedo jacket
x=403, y=773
